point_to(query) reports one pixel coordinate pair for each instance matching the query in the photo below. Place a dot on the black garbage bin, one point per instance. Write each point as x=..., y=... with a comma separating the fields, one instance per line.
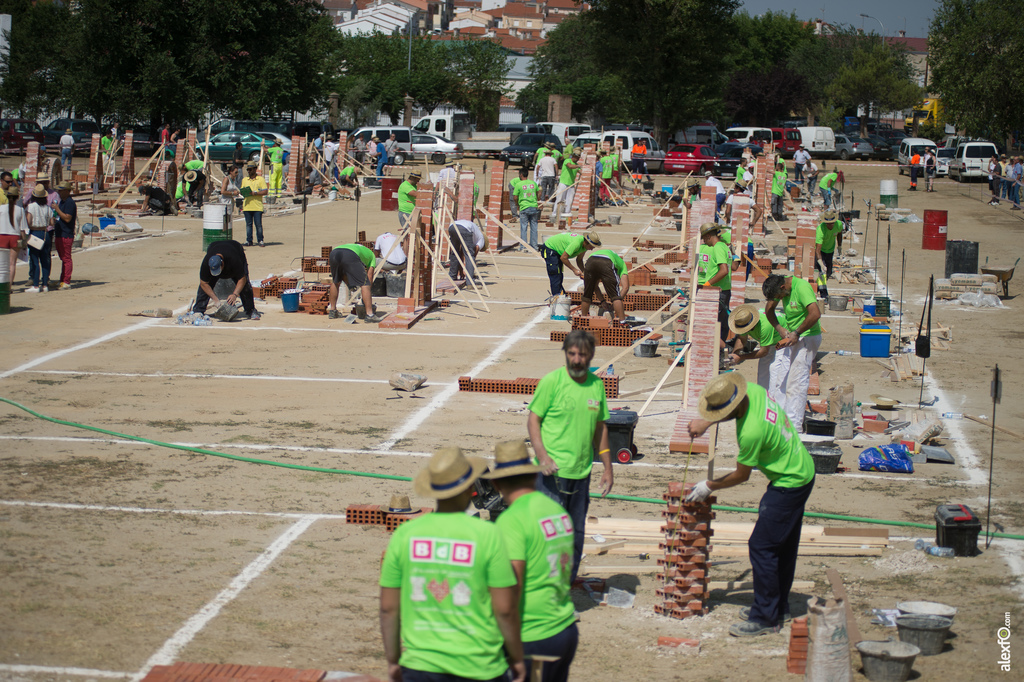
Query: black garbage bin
x=621, y=424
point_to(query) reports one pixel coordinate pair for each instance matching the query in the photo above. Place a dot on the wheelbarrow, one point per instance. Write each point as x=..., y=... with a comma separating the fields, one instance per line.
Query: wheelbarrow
x=1003, y=275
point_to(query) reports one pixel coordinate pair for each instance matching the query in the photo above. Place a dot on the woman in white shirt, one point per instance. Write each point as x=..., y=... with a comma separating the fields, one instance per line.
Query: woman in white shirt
x=12, y=225
x=229, y=189
x=40, y=223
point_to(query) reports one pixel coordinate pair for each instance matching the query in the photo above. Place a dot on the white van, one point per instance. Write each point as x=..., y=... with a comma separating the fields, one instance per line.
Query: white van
x=760, y=136
x=970, y=160
x=566, y=132
x=910, y=146
x=626, y=139
x=819, y=141
x=701, y=134
x=403, y=136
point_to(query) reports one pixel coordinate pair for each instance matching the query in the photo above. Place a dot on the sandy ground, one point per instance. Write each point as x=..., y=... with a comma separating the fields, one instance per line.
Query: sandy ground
x=117, y=555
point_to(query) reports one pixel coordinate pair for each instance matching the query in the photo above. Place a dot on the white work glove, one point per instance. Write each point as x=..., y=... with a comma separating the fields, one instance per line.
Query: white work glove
x=699, y=493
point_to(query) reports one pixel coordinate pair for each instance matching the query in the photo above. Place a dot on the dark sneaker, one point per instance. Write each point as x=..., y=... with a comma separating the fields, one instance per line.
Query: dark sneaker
x=376, y=317
x=248, y=243
x=262, y=244
x=333, y=314
x=745, y=615
x=254, y=315
x=751, y=629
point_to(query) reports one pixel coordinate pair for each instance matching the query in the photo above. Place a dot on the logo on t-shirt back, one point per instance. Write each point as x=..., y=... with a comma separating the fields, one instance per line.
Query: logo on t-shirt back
x=442, y=551
x=556, y=526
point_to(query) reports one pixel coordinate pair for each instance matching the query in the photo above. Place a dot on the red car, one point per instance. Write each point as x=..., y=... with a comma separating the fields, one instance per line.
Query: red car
x=690, y=158
x=15, y=133
x=786, y=140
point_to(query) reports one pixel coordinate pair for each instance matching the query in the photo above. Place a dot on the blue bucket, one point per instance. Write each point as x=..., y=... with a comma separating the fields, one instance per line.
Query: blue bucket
x=107, y=221
x=667, y=189
x=290, y=300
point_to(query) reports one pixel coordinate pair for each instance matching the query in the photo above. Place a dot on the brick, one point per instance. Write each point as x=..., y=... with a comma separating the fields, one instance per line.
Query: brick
x=678, y=642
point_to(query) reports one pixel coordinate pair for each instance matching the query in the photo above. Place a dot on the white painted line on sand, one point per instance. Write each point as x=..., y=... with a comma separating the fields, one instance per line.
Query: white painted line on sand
x=292, y=330
x=151, y=510
x=47, y=670
x=123, y=242
x=173, y=646
x=164, y=375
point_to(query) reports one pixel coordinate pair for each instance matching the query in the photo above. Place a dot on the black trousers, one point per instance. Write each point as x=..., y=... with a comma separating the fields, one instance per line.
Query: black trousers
x=553, y=261
x=246, y=295
x=562, y=645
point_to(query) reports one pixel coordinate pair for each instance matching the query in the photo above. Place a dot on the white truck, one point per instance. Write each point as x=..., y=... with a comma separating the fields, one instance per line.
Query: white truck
x=457, y=128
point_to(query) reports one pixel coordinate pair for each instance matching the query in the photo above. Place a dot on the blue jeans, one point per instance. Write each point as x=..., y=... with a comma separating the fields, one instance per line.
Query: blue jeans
x=1014, y=191
x=380, y=165
x=562, y=645
x=528, y=220
x=798, y=172
x=252, y=217
x=39, y=259
x=719, y=202
x=773, y=546
x=574, y=496
x=1006, y=189
x=826, y=195
x=65, y=156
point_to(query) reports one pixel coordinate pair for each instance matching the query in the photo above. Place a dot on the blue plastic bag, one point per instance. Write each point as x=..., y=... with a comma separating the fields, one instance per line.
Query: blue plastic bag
x=889, y=458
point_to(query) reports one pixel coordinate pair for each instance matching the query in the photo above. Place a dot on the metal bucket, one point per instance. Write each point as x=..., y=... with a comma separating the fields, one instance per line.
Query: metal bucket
x=837, y=302
x=560, y=306
x=887, y=661
x=928, y=633
x=614, y=219
x=646, y=349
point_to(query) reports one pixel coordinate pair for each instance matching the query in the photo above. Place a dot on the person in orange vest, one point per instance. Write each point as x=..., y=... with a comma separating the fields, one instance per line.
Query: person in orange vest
x=915, y=165
x=639, y=154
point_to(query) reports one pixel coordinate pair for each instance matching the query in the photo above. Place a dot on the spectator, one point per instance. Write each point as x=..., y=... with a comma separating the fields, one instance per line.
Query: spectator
x=330, y=152
x=1004, y=166
x=253, y=189
x=238, y=157
x=40, y=223
x=993, y=180
x=391, y=147
x=929, y=169
x=13, y=225
x=1014, y=173
x=800, y=159
x=225, y=260
x=229, y=189
x=67, y=149
x=64, y=234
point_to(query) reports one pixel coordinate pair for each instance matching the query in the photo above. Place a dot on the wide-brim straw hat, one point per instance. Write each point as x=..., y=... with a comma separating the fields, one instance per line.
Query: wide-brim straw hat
x=448, y=473
x=511, y=458
x=708, y=174
x=64, y=185
x=744, y=318
x=39, y=191
x=399, y=505
x=828, y=216
x=722, y=396
x=190, y=176
x=593, y=238
x=251, y=166
x=13, y=191
x=549, y=145
x=708, y=228
x=416, y=174
x=741, y=184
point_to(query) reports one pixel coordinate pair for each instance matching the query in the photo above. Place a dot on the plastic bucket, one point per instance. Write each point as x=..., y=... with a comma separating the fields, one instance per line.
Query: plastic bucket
x=332, y=195
x=5, y=296
x=379, y=286
x=216, y=224
x=928, y=633
x=646, y=349
x=107, y=221
x=887, y=661
x=396, y=284
x=614, y=219
x=837, y=302
x=290, y=300
x=888, y=193
x=560, y=306
x=826, y=462
x=5, y=266
x=961, y=256
x=933, y=237
x=819, y=427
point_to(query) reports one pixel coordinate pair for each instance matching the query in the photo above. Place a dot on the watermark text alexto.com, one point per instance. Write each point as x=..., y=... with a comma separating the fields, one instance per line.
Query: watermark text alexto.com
x=1003, y=637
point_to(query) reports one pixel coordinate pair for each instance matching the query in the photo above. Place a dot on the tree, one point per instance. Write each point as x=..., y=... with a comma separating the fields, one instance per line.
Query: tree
x=482, y=66
x=766, y=41
x=875, y=75
x=32, y=67
x=976, y=49
x=760, y=98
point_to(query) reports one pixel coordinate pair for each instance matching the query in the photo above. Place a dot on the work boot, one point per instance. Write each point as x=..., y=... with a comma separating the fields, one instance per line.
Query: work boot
x=333, y=314
x=376, y=317
x=745, y=615
x=751, y=629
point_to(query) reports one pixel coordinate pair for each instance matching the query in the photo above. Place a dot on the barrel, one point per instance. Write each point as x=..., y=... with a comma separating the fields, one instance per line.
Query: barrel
x=216, y=224
x=389, y=193
x=934, y=236
x=888, y=193
x=961, y=256
x=5, y=282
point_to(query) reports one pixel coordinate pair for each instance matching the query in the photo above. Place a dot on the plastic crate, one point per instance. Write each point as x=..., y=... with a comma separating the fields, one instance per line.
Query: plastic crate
x=957, y=527
x=875, y=341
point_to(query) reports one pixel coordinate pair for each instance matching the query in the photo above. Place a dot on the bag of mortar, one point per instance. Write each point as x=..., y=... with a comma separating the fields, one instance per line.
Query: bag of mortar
x=922, y=431
x=405, y=381
x=225, y=312
x=828, y=651
x=888, y=458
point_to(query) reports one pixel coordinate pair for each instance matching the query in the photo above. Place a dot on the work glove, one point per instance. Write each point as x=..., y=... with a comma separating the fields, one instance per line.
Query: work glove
x=699, y=493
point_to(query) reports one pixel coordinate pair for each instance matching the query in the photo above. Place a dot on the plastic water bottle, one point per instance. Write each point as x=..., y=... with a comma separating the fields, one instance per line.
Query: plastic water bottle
x=946, y=552
x=952, y=415
x=846, y=352
x=610, y=371
x=922, y=545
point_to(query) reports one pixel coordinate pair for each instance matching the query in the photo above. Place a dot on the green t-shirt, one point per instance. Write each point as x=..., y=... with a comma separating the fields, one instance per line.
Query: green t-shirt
x=570, y=244
x=194, y=164
x=347, y=170
x=569, y=412
x=779, y=183
x=795, y=307
x=555, y=154
x=725, y=236
x=476, y=192
x=765, y=333
x=539, y=531
x=514, y=183
x=568, y=176
x=365, y=255
x=406, y=203
x=526, y=194
x=276, y=155
x=826, y=182
x=710, y=258
x=768, y=441
x=608, y=164
x=445, y=566
x=826, y=235
x=107, y=142
x=616, y=259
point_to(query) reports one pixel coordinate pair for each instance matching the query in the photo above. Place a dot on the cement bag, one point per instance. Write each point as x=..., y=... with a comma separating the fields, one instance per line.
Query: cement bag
x=965, y=280
x=889, y=458
x=828, y=653
x=923, y=430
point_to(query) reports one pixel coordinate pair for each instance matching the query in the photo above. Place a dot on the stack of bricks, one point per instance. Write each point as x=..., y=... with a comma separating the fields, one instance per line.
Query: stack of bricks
x=179, y=152
x=167, y=176
x=799, y=643
x=581, y=202
x=375, y=515
x=637, y=301
x=32, y=166
x=297, y=165
x=341, y=158
x=612, y=336
x=739, y=222
x=275, y=286
x=495, y=206
x=313, y=264
x=191, y=136
x=701, y=368
x=684, y=591
x=127, y=173
x=95, y=169
x=314, y=302
x=465, y=195
x=523, y=386
x=228, y=672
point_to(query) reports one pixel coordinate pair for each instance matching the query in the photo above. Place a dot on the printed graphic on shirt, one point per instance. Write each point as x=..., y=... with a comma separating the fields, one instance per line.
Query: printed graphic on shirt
x=556, y=526
x=441, y=551
x=594, y=405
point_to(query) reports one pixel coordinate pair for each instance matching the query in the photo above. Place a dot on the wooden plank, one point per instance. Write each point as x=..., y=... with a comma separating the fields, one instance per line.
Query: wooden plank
x=859, y=531
x=988, y=424
x=639, y=391
x=607, y=570
x=661, y=383
x=734, y=585
x=839, y=591
x=600, y=548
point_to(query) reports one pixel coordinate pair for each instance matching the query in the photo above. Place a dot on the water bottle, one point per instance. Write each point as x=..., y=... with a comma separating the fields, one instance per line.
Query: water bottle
x=846, y=352
x=611, y=370
x=922, y=545
x=941, y=551
x=952, y=415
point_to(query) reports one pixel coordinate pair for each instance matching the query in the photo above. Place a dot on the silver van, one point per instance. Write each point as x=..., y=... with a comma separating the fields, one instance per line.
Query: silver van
x=566, y=132
x=626, y=139
x=701, y=134
x=403, y=136
x=970, y=160
x=910, y=146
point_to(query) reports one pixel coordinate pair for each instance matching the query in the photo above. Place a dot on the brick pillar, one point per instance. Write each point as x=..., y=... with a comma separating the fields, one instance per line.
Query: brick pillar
x=762, y=191
x=582, y=202
x=739, y=222
x=495, y=206
x=806, y=231
x=167, y=177
x=297, y=165
x=95, y=169
x=190, y=147
x=701, y=368
x=423, y=285
x=32, y=166
x=341, y=156
x=127, y=159
x=687, y=546
x=465, y=206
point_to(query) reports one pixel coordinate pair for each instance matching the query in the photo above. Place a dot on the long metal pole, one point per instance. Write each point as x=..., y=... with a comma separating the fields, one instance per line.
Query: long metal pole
x=409, y=68
x=903, y=270
x=992, y=453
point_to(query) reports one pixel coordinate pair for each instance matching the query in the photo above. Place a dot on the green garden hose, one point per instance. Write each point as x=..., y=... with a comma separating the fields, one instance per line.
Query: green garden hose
x=390, y=477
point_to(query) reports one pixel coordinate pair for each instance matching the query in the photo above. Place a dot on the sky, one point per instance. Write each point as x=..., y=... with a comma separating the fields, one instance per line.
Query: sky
x=912, y=15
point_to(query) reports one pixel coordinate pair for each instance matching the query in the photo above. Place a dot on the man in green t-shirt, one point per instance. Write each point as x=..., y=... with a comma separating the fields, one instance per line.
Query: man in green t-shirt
x=538, y=536
x=566, y=427
x=715, y=270
x=353, y=263
x=801, y=338
x=276, y=154
x=558, y=249
x=779, y=191
x=825, y=187
x=750, y=324
x=767, y=441
x=829, y=235
x=608, y=268
x=407, y=198
x=195, y=182
x=547, y=148
x=566, y=191
x=525, y=194
x=448, y=607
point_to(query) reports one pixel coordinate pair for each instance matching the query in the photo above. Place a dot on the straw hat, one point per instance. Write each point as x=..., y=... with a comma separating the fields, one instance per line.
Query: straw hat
x=511, y=458
x=190, y=176
x=448, y=473
x=693, y=182
x=39, y=191
x=744, y=318
x=708, y=174
x=399, y=505
x=722, y=396
x=593, y=238
x=64, y=185
x=828, y=216
x=708, y=228
x=549, y=144
x=13, y=191
x=741, y=183
x=250, y=166
x=415, y=174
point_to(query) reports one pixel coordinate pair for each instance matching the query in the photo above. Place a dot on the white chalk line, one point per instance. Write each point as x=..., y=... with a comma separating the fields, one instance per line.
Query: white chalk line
x=47, y=670
x=293, y=330
x=87, y=249
x=71, y=506
x=165, y=375
x=180, y=639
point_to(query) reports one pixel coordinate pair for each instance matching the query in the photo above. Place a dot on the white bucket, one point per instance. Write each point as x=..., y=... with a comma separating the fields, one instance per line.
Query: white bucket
x=560, y=306
x=5, y=266
x=332, y=195
x=888, y=187
x=215, y=217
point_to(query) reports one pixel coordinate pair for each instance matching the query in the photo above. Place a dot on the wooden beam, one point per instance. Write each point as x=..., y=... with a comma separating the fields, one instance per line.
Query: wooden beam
x=665, y=376
x=990, y=425
x=839, y=591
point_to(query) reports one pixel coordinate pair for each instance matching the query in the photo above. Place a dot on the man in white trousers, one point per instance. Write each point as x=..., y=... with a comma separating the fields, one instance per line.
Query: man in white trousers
x=801, y=338
x=747, y=322
x=566, y=191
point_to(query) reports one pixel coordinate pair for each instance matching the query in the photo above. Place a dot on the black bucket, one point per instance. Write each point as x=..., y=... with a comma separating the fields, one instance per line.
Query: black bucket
x=961, y=256
x=379, y=287
x=819, y=427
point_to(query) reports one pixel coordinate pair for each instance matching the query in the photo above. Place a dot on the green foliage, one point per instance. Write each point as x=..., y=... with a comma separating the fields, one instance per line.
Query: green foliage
x=875, y=74
x=482, y=67
x=977, y=57
x=32, y=69
x=766, y=41
x=762, y=98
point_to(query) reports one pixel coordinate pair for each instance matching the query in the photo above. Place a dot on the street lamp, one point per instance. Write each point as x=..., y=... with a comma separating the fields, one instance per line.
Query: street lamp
x=866, y=16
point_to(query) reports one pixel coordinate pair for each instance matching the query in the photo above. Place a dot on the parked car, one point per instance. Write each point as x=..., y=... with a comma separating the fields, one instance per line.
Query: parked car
x=970, y=160
x=749, y=134
x=286, y=142
x=403, y=136
x=704, y=133
x=910, y=146
x=626, y=138
x=438, y=149
x=943, y=157
x=819, y=141
x=82, y=129
x=883, y=150
x=892, y=136
x=222, y=145
x=568, y=132
x=521, y=128
x=729, y=157
x=848, y=146
x=143, y=143
x=524, y=148
x=16, y=133
x=787, y=140
x=226, y=124
x=689, y=158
